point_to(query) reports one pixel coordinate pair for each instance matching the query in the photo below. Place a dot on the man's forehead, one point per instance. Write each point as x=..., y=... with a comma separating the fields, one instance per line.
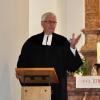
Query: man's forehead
x=51, y=17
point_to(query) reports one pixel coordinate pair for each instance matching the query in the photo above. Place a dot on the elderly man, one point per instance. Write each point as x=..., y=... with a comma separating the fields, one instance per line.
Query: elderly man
x=48, y=49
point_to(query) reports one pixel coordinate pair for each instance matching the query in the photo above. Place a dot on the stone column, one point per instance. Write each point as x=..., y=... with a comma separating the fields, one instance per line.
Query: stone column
x=91, y=31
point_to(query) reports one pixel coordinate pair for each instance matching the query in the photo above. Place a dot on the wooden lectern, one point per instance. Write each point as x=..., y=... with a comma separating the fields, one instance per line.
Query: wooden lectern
x=36, y=82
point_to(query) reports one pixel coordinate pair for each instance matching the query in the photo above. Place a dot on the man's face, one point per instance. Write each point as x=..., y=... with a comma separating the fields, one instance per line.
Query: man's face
x=49, y=24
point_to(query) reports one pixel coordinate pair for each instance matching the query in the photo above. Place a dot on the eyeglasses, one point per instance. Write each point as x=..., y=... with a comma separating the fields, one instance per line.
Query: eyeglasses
x=50, y=22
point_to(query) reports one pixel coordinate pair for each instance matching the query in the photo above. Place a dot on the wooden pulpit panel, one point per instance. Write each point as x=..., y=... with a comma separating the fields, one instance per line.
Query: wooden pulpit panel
x=36, y=93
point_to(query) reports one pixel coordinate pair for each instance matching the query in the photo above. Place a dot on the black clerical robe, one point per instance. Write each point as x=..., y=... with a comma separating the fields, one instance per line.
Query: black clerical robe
x=58, y=55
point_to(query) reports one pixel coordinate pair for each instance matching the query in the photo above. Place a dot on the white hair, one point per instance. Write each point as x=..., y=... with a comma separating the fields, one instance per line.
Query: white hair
x=45, y=15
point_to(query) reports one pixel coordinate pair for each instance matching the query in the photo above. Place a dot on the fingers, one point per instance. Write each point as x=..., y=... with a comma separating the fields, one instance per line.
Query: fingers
x=73, y=35
x=74, y=40
x=78, y=37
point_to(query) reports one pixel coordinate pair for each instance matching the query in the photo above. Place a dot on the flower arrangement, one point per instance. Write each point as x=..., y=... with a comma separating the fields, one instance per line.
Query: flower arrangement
x=83, y=70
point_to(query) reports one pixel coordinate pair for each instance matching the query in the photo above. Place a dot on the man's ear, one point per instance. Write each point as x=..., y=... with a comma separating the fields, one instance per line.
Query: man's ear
x=41, y=23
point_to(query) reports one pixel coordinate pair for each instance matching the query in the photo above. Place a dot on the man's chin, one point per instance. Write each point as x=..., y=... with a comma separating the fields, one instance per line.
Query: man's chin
x=52, y=31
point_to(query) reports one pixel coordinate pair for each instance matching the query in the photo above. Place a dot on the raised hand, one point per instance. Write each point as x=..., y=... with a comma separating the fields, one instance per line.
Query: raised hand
x=74, y=41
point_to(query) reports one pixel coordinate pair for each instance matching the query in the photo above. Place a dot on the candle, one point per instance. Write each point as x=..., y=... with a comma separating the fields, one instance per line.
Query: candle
x=98, y=53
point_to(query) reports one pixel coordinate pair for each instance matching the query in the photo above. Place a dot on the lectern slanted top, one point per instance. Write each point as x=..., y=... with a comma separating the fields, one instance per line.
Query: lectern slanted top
x=36, y=75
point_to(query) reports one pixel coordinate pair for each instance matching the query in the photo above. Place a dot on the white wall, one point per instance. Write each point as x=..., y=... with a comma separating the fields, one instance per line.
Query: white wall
x=13, y=32
x=75, y=15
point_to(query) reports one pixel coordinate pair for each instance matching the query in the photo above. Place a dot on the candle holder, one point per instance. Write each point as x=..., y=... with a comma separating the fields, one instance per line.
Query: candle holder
x=98, y=65
x=98, y=68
